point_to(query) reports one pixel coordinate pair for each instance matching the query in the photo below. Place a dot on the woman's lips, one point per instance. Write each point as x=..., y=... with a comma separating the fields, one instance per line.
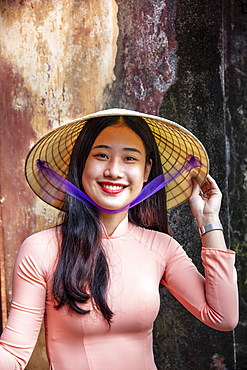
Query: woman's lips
x=110, y=188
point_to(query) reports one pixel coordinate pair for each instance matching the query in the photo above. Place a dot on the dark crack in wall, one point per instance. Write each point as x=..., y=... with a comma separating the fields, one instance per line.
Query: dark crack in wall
x=236, y=130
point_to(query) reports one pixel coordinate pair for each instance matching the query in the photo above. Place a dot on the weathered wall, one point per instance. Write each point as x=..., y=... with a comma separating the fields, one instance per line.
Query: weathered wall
x=236, y=129
x=146, y=62
x=196, y=100
x=209, y=98
x=56, y=59
x=183, y=59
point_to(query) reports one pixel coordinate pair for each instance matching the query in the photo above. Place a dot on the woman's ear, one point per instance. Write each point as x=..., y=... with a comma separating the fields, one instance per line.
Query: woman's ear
x=147, y=170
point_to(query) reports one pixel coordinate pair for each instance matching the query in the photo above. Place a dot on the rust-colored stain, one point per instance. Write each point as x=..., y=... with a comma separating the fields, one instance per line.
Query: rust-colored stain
x=56, y=58
x=146, y=52
x=16, y=131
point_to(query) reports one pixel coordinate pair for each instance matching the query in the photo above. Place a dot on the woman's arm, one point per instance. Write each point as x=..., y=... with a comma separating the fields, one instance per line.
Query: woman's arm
x=205, y=205
x=213, y=299
x=27, y=308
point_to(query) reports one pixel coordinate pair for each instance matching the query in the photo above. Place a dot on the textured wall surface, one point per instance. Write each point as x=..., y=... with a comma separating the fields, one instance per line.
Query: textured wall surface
x=146, y=62
x=236, y=130
x=56, y=58
x=197, y=101
x=182, y=59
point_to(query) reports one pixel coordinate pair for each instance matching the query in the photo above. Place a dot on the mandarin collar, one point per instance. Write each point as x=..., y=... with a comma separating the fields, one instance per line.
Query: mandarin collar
x=120, y=230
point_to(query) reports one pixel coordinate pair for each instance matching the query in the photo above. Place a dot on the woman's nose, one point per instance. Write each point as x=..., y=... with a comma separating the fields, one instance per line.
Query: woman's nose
x=114, y=169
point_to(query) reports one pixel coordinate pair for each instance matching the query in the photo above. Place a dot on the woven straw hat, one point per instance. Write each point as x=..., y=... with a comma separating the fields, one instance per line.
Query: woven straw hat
x=175, y=143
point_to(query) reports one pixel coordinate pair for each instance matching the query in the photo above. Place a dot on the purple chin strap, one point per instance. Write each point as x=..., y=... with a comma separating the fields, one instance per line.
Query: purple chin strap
x=60, y=183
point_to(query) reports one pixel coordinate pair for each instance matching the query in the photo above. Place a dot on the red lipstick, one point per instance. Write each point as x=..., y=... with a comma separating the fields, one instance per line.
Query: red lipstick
x=112, y=188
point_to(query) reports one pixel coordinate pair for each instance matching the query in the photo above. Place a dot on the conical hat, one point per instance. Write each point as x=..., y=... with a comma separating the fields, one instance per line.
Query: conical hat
x=175, y=144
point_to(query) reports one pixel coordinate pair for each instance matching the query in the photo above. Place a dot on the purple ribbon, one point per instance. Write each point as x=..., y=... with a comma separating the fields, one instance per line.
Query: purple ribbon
x=59, y=183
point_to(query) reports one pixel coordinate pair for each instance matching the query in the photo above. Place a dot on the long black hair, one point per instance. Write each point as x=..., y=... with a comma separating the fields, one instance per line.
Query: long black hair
x=82, y=271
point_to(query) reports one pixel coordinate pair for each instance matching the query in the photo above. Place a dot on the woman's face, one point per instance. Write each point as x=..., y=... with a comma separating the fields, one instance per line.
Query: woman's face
x=116, y=168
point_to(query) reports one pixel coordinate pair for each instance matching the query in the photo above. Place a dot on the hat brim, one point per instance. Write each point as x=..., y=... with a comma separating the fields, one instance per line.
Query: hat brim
x=175, y=144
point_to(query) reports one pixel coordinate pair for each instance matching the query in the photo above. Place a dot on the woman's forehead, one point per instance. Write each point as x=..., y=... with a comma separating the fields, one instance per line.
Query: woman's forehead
x=120, y=135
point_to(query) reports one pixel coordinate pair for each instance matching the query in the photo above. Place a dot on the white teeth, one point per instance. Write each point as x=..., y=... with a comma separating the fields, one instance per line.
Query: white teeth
x=113, y=187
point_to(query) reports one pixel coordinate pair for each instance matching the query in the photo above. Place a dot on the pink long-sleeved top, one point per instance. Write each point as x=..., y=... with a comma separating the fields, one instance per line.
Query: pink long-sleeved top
x=138, y=259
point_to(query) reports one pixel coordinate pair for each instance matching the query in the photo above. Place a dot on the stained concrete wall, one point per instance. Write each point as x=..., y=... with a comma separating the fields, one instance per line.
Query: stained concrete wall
x=182, y=59
x=236, y=132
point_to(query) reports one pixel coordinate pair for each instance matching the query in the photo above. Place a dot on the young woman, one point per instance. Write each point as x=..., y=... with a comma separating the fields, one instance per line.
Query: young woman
x=95, y=277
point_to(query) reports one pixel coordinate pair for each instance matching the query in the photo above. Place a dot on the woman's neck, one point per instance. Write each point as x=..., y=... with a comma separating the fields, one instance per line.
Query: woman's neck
x=112, y=220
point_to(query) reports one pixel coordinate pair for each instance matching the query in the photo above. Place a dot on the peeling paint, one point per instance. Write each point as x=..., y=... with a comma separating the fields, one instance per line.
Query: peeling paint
x=65, y=53
x=56, y=58
x=50, y=215
x=147, y=61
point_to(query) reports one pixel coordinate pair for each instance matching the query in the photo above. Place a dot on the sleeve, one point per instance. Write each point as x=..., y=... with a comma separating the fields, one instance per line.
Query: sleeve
x=213, y=299
x=27, y=309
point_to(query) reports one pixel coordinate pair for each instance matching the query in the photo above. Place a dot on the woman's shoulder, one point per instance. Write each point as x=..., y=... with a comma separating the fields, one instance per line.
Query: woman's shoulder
x=42, y=244
x=43, y=236
x=149, y=235
x=159, y=242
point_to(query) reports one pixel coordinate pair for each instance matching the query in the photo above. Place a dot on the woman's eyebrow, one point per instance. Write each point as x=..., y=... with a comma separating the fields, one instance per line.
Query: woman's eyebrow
x=101, y=146
x=127, y=149
x=132, y=150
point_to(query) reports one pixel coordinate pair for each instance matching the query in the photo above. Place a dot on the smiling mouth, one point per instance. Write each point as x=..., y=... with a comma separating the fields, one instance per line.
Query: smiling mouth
x=112, y=188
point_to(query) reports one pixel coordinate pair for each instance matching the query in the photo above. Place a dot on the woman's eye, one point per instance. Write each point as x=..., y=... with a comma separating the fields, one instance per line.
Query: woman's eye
x=101, y=155
x=130, y=159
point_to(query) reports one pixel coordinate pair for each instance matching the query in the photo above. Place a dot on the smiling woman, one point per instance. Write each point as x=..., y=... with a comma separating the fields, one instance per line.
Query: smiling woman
x=116, y=167
x=96, y=276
